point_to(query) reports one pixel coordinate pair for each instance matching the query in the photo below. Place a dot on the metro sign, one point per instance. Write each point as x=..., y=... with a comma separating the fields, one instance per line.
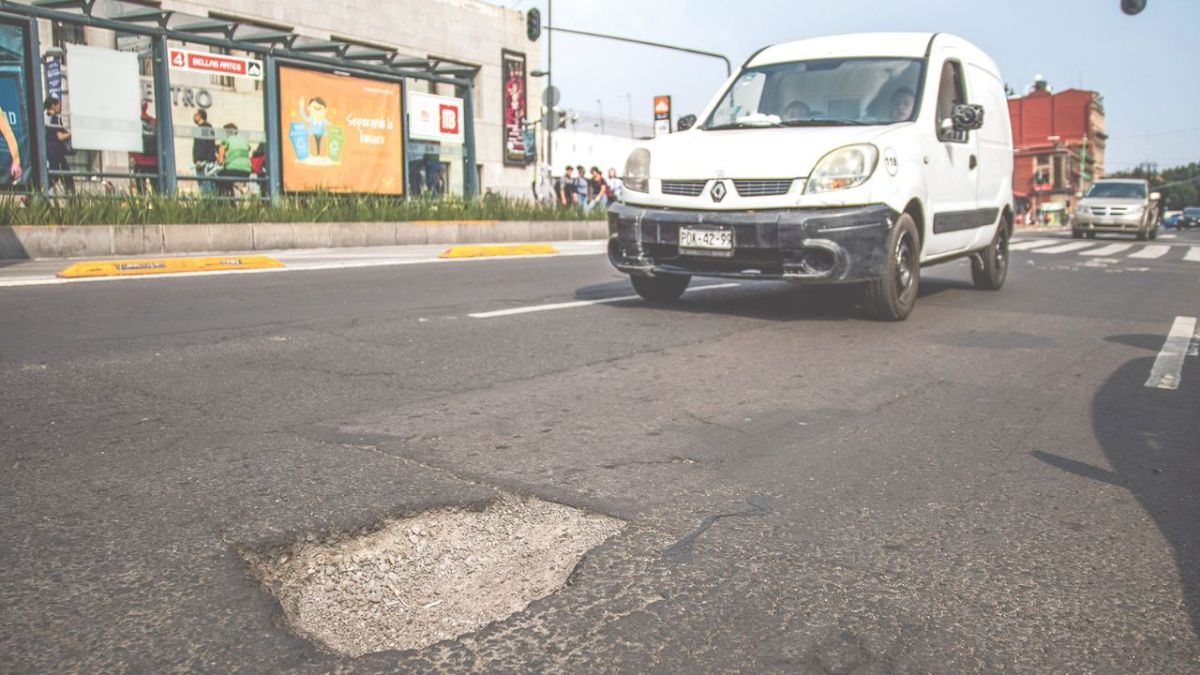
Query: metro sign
x=217, y=64
x=448, y=119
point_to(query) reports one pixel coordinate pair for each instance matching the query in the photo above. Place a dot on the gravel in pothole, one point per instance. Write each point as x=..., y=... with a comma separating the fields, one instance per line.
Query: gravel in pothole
x=431, y=577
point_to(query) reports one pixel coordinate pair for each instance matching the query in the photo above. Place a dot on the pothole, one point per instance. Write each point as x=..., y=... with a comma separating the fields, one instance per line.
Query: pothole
x=431, y=577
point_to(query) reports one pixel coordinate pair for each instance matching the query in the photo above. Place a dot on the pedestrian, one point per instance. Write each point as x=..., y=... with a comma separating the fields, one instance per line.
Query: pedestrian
x=58, y=145
x=145, y=163
x=204, y=151
x=581, y=187
x=565, y=188
x=602, y=197
x=616, y=186
x=233, y=154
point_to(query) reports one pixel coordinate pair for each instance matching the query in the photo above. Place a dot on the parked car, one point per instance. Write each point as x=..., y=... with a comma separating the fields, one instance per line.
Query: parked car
x=1190, y=217
x=842, y=159
x=1123, y=205
x=1171, y=221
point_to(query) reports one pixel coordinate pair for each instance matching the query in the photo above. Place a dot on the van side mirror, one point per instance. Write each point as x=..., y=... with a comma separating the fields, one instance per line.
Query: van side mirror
x=686, y=122
x=1155, y=196
x=967, y=116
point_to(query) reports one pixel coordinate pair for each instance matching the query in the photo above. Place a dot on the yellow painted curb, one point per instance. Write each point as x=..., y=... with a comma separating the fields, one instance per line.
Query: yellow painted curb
x=110, y=268
x=497, y=249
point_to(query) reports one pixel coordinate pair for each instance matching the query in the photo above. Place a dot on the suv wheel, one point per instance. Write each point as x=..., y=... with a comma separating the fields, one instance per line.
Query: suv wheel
x=892, y=297
x=661, y=287
x=989, y=267
x=1077, y=234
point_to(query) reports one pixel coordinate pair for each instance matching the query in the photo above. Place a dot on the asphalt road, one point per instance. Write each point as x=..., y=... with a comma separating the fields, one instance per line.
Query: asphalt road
x=988, y=486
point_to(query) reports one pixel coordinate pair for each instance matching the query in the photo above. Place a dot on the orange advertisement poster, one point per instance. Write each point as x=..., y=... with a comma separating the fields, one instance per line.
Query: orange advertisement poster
x=341, y=134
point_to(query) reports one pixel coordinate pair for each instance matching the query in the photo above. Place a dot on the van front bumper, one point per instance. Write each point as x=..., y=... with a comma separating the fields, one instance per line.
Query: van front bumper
x=820, y=245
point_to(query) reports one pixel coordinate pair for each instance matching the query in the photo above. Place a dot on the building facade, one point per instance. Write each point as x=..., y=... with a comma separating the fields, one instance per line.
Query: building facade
x=469, y=33
x=1058, y=146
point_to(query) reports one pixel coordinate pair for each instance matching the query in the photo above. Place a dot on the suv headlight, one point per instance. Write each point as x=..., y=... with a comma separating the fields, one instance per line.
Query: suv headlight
x=846, y=167
x=637, y=170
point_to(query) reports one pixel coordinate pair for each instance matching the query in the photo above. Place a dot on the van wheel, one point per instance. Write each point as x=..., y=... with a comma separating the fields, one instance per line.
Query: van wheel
x=661, y=287
x=892, y=297
x=989, y=268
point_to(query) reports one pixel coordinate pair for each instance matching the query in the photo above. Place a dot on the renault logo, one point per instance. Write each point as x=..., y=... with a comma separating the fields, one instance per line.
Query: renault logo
x=718, y=191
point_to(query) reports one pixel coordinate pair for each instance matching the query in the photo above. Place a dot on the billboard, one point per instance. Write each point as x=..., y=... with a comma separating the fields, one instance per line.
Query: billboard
x=435, y=118
x=340, y=133
x=662, y=115
x=512, y=67
x=16, y=151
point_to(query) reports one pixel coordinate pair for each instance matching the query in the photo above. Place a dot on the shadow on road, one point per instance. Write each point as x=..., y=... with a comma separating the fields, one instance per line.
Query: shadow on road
x=766, y=300
x=1149, y=437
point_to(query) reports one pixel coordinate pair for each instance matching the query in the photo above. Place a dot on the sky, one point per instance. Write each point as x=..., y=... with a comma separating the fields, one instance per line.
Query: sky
x=1147, y=67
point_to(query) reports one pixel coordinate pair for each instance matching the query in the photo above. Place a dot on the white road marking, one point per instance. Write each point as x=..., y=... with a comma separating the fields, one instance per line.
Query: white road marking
x=578, y=303
x=1193, y=254
x=1030, y=243
x=1151, y=252
x=1111, y=249
x=1167, y=236
x=1169, y=365
x=1063, y=248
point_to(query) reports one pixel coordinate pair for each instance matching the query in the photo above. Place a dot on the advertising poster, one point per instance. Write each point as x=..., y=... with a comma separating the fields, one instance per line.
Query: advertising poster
x=105, y=111
x=341, y=134
x=512, y=66
x=16, y=156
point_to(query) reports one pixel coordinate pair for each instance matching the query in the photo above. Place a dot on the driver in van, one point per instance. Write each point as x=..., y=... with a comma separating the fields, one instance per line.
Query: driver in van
x=902, y=104
x=796, y=110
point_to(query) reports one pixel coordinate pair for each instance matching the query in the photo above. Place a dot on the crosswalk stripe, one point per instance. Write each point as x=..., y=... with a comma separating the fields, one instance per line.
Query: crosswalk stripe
x=1111, y=249
x=1193, y=254
x=1029, y=243
x=1151, y=252
x=1063, y=248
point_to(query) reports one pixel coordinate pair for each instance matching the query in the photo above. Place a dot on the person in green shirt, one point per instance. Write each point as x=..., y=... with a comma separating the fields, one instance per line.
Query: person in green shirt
x=233, y=154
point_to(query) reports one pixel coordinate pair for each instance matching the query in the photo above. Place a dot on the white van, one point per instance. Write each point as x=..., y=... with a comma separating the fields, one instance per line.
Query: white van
x=850, y=158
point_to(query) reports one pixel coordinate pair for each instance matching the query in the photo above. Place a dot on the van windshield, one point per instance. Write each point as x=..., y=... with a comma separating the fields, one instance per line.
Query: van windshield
x=1118, y=190
x=821, y=92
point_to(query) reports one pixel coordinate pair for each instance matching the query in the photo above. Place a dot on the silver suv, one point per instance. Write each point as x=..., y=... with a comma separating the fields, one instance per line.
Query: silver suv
x=1117, y=205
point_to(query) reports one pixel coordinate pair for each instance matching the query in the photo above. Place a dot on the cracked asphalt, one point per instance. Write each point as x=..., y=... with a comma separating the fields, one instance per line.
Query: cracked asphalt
x=988, y=486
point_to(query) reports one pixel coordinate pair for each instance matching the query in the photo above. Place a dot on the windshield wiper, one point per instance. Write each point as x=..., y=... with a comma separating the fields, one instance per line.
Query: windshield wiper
x=826, y=123
x=743, y=125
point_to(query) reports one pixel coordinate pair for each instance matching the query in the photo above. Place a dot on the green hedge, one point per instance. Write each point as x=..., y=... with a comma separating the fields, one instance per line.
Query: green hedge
x=316, y=208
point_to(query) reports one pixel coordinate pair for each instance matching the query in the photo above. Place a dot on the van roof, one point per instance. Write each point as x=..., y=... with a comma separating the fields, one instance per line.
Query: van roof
x=909, y=45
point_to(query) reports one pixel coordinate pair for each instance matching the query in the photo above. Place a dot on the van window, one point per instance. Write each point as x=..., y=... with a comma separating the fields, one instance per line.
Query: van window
x=950, y=94
x=821, y=92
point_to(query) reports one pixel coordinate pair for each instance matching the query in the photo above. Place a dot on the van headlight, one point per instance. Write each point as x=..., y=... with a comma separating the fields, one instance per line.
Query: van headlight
x=846, y=167
x=637, y=170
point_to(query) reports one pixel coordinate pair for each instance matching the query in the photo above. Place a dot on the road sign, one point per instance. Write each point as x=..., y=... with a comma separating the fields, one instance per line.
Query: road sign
x=551, y=96
x=551, y=119
x=219, y=64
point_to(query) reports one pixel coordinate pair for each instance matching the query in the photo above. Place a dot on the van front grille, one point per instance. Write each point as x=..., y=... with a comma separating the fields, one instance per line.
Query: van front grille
x=769, y=187
x=683, y=188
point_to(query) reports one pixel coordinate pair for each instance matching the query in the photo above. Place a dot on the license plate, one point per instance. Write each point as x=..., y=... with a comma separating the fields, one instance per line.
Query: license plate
x=712, y=241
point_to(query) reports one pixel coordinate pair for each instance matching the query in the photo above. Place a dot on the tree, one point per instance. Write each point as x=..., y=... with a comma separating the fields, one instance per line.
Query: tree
x=1179, y=185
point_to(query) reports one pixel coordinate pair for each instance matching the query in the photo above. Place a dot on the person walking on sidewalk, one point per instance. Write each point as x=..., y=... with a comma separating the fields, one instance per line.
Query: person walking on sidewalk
x=233, y=153
x=58, y=145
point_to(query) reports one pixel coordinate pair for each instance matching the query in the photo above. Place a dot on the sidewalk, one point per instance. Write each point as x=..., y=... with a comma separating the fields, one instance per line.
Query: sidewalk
x=42, y=272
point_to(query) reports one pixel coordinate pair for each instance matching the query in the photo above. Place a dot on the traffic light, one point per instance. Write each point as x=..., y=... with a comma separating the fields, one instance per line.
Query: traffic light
x=533, y=24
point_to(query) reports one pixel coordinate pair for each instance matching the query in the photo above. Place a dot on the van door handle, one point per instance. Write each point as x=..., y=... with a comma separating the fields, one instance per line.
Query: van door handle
x=973, y=163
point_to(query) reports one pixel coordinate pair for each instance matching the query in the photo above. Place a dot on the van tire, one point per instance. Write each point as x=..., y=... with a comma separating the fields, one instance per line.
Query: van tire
x=661, y=287
x=892, y=297
x=989, y=267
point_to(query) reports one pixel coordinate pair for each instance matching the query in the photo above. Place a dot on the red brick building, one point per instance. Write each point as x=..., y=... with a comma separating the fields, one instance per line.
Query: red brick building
x=1058, y=146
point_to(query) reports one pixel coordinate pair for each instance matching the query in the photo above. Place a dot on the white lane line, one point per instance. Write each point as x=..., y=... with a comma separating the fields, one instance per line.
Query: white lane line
x=577, y=303
x=1063, y=248
x=1193, y=254
x=1111, y=249
x=1030, y=243
x=1169, y=365
x=1151, y=252
x=1167, y=236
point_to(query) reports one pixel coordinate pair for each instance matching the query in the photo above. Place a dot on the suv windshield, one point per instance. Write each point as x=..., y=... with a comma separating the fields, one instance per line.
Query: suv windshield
x=822, y=92
x=1118, y=190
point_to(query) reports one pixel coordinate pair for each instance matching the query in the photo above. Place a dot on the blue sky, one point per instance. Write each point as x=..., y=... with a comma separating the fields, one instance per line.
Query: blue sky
x=1147, y=67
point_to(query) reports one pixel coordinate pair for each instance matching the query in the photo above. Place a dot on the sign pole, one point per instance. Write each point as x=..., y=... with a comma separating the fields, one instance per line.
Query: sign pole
x=274, y=133
x=470, y=176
